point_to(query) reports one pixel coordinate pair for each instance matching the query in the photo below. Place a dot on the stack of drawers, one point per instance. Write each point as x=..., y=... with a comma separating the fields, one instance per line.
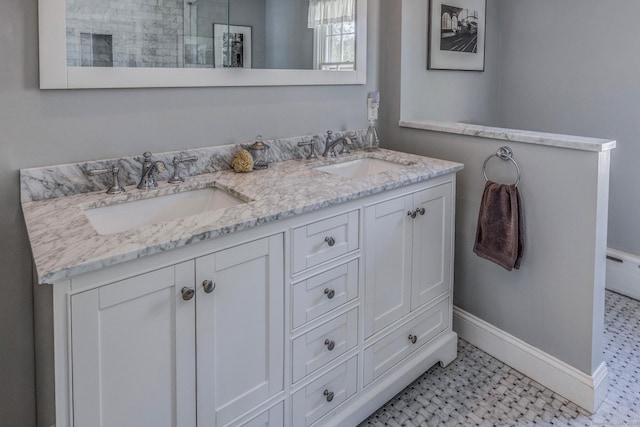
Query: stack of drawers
x=325, y=306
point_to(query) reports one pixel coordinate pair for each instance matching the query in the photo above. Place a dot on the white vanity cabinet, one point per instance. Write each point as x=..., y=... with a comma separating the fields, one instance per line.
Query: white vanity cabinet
x=326, y=260
x=314, y=320
x=240, y=329
x=408, y=244
x=133, y=352
x=135, y=361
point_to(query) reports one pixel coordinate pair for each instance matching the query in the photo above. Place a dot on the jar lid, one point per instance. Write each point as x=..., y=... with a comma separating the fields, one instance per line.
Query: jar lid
x=259, y=144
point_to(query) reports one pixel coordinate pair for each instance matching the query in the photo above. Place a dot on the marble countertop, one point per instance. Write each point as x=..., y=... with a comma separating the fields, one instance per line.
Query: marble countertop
x=65, y=244
x=515, y=135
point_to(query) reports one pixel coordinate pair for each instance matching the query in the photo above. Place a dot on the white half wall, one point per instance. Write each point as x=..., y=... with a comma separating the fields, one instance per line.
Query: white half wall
x=555, y=301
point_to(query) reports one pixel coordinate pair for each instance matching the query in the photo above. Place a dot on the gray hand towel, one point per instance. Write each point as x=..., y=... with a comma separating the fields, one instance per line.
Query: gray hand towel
x=500, y=233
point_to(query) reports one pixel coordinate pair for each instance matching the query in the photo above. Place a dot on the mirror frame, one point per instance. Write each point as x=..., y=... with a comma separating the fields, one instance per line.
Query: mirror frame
x=55, y=74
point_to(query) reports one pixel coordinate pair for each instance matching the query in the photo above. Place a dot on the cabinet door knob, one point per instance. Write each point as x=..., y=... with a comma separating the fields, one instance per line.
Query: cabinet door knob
x=330, y=240
x=331, y=344
x=421, y=211
x=413, y=339
x=208, y=286
x=330, y=293
x=329, y=395
x=187, y=293
x=412, y=214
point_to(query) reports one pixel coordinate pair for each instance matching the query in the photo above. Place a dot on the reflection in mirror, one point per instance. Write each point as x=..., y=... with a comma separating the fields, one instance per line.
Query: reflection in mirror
x=126, y=33
x=272, y=34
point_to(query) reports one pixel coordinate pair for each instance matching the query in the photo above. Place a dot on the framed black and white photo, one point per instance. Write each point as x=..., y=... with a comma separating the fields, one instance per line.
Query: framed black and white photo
x=456, y=35
x=231, y=46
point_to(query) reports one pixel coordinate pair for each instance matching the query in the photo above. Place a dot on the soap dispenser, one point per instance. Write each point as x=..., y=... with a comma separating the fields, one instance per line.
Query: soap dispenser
x=260, y=153
x=371, y=140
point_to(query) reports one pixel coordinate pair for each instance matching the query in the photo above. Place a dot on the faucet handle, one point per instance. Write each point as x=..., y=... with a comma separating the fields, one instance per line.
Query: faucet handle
x=115, y=188
x=177, y=178
x=311, y=143
x=347, y=141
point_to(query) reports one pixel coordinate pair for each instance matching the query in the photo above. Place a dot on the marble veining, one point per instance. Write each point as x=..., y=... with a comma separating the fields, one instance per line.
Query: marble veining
x=68, y=179
x=515, y=135
x=65, y=244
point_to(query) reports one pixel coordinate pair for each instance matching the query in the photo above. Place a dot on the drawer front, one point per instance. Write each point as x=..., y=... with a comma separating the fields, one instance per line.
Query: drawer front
x=323, y=344
x=394, y=347
x=324, y=394
x=320, y=294
x=272, y=417
x=324, y=240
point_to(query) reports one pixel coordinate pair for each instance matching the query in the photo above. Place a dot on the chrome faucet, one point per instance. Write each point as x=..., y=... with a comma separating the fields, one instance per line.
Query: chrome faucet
x=177, y=178
x=149, y=169
x=312, y=149
x=329, y=148
x=115, y=187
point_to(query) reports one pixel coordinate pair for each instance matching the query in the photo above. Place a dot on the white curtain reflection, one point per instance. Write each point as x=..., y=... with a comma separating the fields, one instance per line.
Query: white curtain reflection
x=323, y=12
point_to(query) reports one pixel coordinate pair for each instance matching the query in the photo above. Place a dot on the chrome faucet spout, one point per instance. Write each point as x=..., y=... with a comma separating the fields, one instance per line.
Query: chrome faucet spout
x=329, y=148
x=149, y=169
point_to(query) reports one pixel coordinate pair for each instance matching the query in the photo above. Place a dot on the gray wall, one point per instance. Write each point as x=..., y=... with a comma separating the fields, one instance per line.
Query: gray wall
x=562, y=66
x=464, y=96
x=289, y=41
x=571, y=66
x=48, y=127
x=555, y=302
x=253, y=14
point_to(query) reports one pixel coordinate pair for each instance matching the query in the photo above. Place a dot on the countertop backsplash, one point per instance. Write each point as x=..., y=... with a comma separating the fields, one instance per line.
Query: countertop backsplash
x=63, y=180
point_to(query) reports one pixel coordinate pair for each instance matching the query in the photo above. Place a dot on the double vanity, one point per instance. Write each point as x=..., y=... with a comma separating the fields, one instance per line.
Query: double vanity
x=309, y=293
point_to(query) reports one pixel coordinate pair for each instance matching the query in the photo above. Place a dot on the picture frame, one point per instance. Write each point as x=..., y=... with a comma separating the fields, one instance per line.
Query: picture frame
x=456, y=35
x=231, y=46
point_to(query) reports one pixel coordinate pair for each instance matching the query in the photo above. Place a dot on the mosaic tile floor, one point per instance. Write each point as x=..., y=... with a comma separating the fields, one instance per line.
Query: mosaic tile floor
x=478, y=390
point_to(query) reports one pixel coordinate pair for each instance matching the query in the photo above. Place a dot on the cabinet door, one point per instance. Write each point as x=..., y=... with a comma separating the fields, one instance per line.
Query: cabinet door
x=240, y=329
x=432, y=245
x=387, y=263
x=133, y=352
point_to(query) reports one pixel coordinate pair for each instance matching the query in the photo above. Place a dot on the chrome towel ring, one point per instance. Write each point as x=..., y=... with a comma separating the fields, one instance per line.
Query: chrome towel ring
x=504, y=153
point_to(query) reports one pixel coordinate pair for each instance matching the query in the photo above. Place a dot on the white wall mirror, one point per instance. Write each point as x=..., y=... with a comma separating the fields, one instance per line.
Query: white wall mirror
x=188, y=43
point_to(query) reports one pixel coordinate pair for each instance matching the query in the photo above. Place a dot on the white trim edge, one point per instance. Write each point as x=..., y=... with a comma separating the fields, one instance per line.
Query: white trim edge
x=586, y=391
x=514, y=135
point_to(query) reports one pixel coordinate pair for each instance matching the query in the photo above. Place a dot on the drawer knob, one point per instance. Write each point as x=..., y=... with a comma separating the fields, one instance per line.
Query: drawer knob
x=330, y=293
x=331, y=344
x=208, y=286
x=329, y=395
x=413, y=339
x=421, y=211
x=412, y=214
x=330, y=240
x=187, y=293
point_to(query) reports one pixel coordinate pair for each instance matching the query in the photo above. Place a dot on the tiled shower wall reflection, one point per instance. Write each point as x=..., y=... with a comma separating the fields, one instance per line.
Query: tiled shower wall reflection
x=143, y=33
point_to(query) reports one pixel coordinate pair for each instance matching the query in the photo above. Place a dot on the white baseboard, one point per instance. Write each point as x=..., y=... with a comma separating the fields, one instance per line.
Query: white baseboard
x=623, y=273
x=586, y=391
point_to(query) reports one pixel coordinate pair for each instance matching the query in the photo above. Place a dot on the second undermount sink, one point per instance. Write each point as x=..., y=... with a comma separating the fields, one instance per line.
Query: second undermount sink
x=125, y=216
x=360, y=168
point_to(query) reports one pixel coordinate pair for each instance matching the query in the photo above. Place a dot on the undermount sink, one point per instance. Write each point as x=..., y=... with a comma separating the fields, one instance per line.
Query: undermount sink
x=360, y=168
x=125, y=216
